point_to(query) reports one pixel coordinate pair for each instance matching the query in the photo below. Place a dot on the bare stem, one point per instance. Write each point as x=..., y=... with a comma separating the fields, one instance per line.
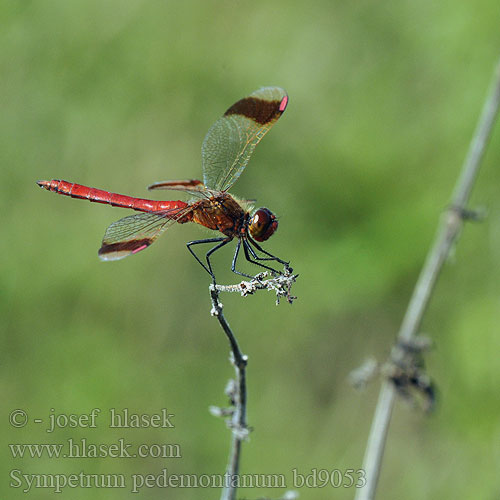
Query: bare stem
x=280, y=284
x=238, y=420
x=447, y=234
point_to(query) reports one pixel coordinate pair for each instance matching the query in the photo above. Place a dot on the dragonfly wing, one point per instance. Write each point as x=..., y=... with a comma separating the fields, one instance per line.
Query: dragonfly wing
x=192, y=185
x=134, y=233
x=231, y=140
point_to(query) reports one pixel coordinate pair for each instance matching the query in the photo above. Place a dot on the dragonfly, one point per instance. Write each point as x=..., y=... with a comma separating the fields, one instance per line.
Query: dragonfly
x=225, y=152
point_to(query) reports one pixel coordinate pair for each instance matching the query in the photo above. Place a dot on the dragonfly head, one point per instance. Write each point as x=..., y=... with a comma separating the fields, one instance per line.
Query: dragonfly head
x=263, y=224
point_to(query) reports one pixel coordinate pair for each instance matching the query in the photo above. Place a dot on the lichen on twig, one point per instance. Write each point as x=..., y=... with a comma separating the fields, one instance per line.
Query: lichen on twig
x=281, y=284
x=236, y=389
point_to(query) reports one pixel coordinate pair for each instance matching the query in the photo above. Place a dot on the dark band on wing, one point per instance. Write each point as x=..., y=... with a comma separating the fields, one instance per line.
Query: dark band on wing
x=131, y=246
x=258, y=110
x=187, y=184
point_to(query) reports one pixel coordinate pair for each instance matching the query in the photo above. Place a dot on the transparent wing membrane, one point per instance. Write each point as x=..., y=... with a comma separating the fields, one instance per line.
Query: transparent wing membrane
x=230, y=142
x=190, y=186
x=134, y=233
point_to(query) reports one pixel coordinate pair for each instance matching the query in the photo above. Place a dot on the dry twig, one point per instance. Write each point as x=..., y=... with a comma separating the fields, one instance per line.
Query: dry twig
x=236, y=389
x=447, y=234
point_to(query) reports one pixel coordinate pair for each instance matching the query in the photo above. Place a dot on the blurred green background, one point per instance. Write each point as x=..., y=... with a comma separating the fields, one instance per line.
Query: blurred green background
x=384, y=97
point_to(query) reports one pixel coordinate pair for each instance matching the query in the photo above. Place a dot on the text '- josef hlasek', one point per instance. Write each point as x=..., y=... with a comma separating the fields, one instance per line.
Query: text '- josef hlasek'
x=119, y=419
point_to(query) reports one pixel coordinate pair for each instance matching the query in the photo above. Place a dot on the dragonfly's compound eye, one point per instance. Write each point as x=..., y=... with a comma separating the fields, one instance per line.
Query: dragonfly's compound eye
x=263, y=224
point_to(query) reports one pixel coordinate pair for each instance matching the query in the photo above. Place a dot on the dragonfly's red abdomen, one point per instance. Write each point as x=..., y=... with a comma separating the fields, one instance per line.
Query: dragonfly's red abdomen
x=100, y=196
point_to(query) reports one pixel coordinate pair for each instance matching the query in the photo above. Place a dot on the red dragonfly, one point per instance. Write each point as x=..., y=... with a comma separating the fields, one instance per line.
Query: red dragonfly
x=226, y=150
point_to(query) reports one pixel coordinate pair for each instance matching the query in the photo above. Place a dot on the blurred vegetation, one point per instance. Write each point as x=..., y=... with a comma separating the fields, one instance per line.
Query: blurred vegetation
x=384, y=97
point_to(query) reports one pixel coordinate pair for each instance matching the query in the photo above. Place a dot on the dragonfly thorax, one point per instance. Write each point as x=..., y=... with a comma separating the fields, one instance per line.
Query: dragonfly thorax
x=220, y=213
x=263, y=224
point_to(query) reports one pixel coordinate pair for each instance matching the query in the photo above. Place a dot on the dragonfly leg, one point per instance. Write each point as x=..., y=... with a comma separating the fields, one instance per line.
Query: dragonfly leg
x=208, y=267
x=233, y=265
x=249, y=253
x=224, y=241
x=260, y=249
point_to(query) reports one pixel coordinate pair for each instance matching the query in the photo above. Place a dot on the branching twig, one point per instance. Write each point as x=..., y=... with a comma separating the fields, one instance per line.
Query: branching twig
x=239, y=397
x=281, y=284
x=447, y=234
